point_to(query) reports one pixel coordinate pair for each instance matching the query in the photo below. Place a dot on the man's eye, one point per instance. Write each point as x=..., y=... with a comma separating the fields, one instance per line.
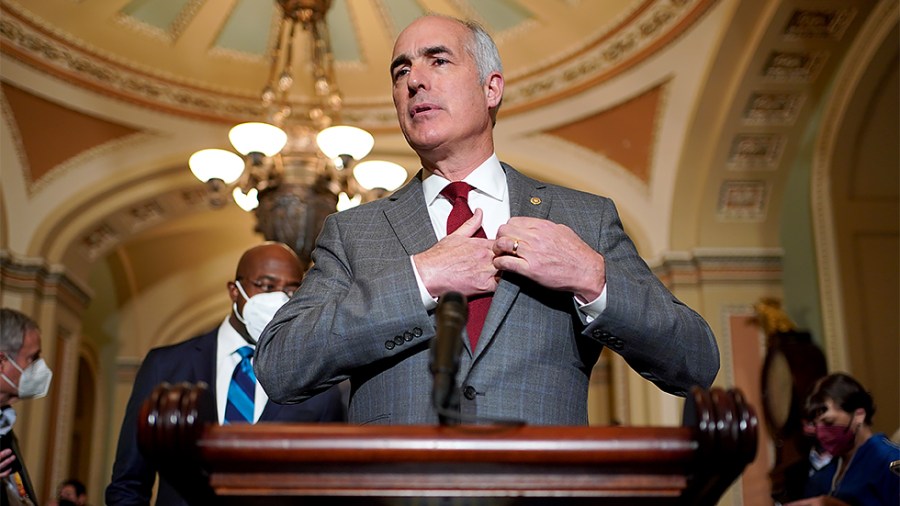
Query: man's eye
x=400, y=73
x=441, y=61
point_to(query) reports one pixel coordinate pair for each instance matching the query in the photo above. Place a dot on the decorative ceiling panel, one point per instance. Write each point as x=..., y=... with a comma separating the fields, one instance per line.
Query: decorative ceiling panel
x=624, y=134
x=158, y=14
x=40, y=123
x=248, y=27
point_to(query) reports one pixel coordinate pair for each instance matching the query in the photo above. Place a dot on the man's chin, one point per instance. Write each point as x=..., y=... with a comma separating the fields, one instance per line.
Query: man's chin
x=425, y=145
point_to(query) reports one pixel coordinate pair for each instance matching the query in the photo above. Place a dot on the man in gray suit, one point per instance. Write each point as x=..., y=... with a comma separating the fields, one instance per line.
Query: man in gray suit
x=564, y=278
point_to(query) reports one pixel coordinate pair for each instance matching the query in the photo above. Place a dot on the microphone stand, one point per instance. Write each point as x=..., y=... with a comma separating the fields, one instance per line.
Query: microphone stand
x=450, y=317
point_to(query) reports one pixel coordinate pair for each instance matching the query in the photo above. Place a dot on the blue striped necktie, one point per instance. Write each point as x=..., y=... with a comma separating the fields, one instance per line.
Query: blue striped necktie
x=242, y=390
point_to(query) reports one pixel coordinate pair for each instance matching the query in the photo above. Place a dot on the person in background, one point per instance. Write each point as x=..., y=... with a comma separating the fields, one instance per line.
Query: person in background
x=23, y=375
x=71, y=492
x=549, y=274
x=266, y=276
x=859, y=472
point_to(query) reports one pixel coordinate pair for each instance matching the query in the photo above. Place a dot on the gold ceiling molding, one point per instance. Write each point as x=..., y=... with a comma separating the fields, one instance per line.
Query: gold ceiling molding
x=48, y=53
x=647, y=29
x=651, y=29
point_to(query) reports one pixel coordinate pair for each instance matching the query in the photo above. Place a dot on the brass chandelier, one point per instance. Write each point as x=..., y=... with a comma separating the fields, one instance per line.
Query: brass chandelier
x=297, y=166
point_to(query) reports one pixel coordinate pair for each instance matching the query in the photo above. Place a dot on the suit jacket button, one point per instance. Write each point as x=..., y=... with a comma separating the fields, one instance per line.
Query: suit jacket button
x=601, y=334
x=417, y=332
x=389, y=345
x=398, y=340
x=408, y=336
x=469, y=392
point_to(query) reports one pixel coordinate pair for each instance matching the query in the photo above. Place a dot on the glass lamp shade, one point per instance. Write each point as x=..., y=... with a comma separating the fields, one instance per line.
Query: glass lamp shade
x=345, y=140
x=379, y=174
x=248, y=201
x=345, y=202
x=257, y=138
x=209, y=164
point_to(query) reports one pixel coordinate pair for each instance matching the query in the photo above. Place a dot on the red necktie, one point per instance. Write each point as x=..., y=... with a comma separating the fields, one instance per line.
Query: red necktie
x=458, y=195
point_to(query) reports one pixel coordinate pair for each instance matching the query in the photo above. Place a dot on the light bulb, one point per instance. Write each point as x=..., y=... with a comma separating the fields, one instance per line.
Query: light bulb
x=345, y=140
x=209, y=164
x=257, y=137
x=379, y=174
x=247, y=202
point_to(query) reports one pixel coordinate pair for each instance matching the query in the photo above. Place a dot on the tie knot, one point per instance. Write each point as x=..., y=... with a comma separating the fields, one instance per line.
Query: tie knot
x=245, y=352
x=457, y=190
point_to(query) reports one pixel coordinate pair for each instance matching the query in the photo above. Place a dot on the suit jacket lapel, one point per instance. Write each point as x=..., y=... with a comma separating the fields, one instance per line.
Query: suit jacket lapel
x=411, y=223
x=270, y=412
x=527, y=197
x=409, y=218
x=204, y=362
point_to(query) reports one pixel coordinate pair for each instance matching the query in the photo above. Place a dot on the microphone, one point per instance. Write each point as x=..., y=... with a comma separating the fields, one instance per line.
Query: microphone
x=450, y=316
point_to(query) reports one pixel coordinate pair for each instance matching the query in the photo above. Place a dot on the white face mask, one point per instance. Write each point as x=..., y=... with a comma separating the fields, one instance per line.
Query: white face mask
x=7, y=420
x=34, y=382
x=259, y=310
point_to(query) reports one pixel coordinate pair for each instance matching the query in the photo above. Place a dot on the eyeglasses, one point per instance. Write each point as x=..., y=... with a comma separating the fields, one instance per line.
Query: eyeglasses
x=268, y=286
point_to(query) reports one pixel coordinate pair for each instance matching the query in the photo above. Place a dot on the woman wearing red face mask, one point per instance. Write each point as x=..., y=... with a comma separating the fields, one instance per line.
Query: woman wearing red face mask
x=859, y=472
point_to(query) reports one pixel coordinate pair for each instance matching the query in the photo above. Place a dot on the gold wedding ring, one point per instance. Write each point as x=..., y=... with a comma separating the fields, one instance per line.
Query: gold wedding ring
x=515, y=246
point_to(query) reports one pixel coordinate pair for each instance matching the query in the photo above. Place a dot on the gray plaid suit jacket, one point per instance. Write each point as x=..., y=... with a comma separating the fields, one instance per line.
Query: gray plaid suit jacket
x=358, y=315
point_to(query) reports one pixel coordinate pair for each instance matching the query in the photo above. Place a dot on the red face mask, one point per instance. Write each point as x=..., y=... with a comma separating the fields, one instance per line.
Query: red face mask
x=836, y=439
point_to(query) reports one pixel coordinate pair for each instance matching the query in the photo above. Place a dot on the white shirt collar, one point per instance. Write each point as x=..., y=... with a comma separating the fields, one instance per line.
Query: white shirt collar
x=488, y=179
x=230, y=340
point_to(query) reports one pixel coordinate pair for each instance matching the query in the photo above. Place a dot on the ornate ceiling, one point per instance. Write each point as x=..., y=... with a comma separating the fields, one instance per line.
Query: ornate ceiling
x=210, y=59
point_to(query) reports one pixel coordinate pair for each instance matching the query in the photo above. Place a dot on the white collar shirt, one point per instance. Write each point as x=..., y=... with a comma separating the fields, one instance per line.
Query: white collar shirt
x=491, y=195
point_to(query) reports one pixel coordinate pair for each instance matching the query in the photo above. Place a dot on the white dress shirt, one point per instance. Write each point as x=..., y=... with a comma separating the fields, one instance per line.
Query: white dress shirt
x=491, y=195
x=227, y=358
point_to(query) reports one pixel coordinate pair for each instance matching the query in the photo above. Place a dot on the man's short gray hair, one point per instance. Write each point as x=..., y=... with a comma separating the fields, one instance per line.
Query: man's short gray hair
x=486, y=56
x=483, y=50
x=13, y=326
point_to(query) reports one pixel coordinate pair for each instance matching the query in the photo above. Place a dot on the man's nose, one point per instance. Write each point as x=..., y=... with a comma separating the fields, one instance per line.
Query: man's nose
x=417, y=80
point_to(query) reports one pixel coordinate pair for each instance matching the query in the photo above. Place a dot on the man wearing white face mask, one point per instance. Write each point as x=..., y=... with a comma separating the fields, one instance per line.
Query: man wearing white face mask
x=23, y=375
x=265, y=277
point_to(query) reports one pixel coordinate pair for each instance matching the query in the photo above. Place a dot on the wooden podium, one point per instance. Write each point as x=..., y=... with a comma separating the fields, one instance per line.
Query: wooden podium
x=317, y=464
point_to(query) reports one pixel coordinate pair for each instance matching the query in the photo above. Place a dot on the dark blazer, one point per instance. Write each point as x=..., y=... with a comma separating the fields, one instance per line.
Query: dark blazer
x=9, y=440
x=193, y=360
x=360, y=314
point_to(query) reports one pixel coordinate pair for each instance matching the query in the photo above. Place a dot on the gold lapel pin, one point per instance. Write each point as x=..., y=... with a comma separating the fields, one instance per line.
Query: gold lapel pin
x=535, y=200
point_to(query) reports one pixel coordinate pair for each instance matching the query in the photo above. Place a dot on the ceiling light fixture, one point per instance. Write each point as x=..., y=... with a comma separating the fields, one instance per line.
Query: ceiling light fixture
x=299, y=166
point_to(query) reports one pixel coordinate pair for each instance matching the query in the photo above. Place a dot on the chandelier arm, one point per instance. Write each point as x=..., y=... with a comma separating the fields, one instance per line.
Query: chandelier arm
x=276, y=54
x=286, y=79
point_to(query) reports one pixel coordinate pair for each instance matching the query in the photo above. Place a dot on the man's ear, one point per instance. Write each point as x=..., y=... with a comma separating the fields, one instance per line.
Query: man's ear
x=233, y=291
x=493, y=88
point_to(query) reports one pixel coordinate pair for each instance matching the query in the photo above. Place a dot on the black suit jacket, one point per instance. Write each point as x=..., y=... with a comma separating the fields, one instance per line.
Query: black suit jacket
x=9, y=440
x=193, y=360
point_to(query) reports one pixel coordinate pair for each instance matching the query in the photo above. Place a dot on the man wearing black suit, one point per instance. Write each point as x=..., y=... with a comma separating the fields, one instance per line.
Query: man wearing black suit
x=212, y=358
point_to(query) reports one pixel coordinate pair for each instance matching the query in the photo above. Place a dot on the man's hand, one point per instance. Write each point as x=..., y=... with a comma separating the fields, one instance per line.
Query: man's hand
x=459, y=262
x=550, y=254
x=6, y=460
